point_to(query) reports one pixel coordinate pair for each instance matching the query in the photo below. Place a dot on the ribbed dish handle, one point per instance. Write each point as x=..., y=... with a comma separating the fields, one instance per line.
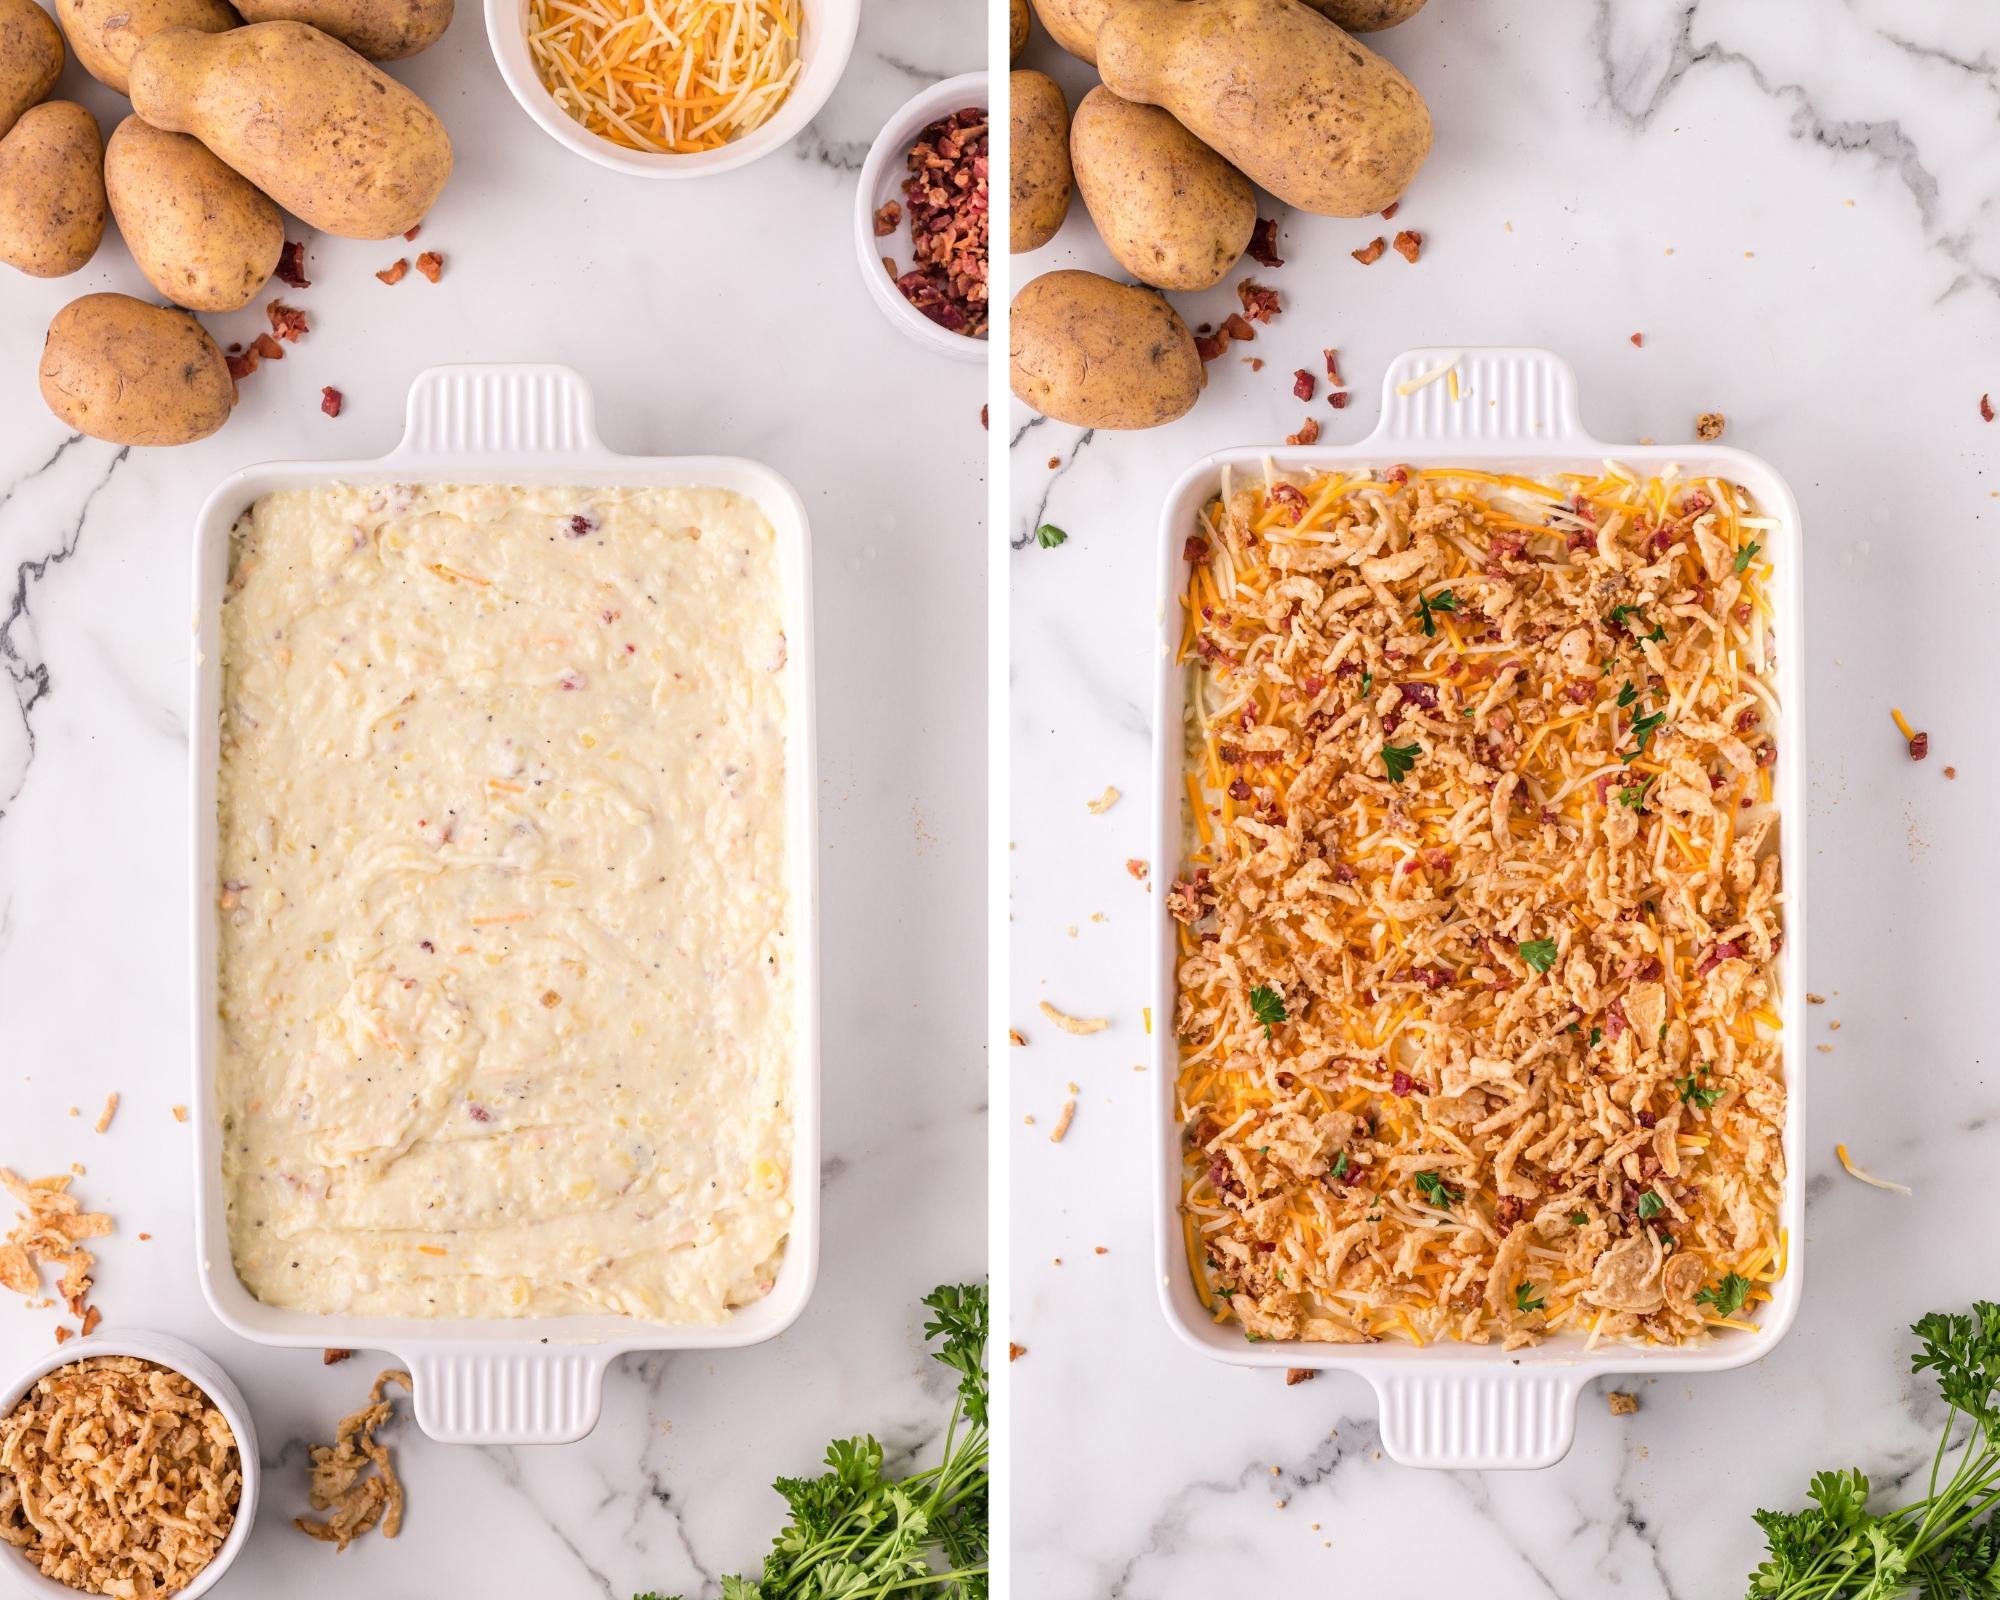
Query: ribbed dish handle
x=475, y=1396
x=1506, y=398
x=512, y=412
x=1477, y=1421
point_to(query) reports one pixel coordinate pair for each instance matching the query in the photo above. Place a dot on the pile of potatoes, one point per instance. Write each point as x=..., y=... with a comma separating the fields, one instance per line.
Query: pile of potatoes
x=234, y=122
x=1201, y=103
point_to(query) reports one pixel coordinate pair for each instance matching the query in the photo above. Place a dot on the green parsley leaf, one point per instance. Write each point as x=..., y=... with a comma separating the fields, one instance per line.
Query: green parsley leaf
x=1538, y=953
x=1399, y=758
x=1268, y=1007
x=1746, y=555
x=1727, y=1295
x=1658, y=634
x=1048, y=536
x=1437, y=1191
x=1620, y=613
x=1367, y=683
x=1339, y=1169
x=1524, y=1300
x=1650, y=1205
x=1578, y=1218
x=1636, y=796
x=1643, y=729
x=1694, y=1094
x=1596, y=1037
x=1443, y=600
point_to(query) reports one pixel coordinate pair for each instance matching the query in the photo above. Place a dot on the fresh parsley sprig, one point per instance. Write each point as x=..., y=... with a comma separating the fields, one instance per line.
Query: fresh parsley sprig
x=1437, y=1191
x=1268, y=1007
x=1399, y=758
x=1443, y=600
x=1538, y=953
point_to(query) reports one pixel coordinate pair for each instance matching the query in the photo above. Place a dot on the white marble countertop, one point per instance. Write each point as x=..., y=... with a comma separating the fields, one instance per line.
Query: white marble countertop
x=1794, y=202
x=721, y=316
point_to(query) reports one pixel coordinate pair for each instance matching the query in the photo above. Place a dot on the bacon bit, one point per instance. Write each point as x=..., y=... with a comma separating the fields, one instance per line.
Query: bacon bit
x=1389, y=211
x=1338, y=400
x=431, y=265
x=1920, y=745
x=287, y=322
x=1308, y=432
x=1302, y=384
x=1195, y=551
x=1015, y=1351
x=414, y=231
x=1298, y=1375
x=1615, y=1021
x=330, y=400
x=1709, y=425
x=1210, y=345
x=1138, y=870
x=1371, y=252
x=332, y=1358
x=888, y=218
x=1237, y=328
x=1069, y=1024
x=1986, y=407
x=64, y=1335
x=1951, y=772
x=1264, y=243
x=1333, y=377
x=1638, y=341
x=1408, y=244
x=1017, y=1038
x=1418, y=694
x=1728, y=950
x=395, y=274
x=292, y=265
x=1289, y=496
x=1259, y=303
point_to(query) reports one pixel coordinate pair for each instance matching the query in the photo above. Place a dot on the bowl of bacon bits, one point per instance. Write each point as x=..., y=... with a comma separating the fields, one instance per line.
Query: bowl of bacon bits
x=920, y=217
x=672, y=88
x=128, y=1466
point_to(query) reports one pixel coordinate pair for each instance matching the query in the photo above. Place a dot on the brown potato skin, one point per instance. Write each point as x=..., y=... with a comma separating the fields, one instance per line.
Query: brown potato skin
x=52, y=204
x=1073, y=24
x=1366, y=16
x=106, y=34
x=1017, y=28
x=1174, y=213
x=333, y=139
x=1300, y=107
x=1039, y=181
x=204, y=236
x=381, y=30
x=119, y=369
x=1099, y=354
x=31, y=59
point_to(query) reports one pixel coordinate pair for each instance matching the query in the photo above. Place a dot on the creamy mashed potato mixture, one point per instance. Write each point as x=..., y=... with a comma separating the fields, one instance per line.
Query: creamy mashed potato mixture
x=506, y=947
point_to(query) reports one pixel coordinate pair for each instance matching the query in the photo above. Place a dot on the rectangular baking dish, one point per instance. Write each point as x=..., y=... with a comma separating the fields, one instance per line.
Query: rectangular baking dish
x=508, y=1381
x=1460, y=1405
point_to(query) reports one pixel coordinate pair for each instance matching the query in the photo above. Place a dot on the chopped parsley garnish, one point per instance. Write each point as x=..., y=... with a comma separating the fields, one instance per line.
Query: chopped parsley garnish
x=1694, y=1094
x=1635, y=796
x=1578, y=1218
x=1746, y=555
x=1627, y=695
x=1650, y=1205
x=1596, y=1037
x=1524, y=1298
x=1048, y=536
x=1339, y=1166
x=1643, y=729
x=1367, y=683
x=1437, y=1191
x=1443, y=600
x=1726, y=1296
x=1538, y=953
x=1268, y=1007
x=1620, y=613
x=1658, y=635
x=1399, y=758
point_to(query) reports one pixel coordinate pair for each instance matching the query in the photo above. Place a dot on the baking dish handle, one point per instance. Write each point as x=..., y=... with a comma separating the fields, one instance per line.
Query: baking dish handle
x=1481, y=398
x=469, y=1394
x=498, y=412
x=1477, y=1421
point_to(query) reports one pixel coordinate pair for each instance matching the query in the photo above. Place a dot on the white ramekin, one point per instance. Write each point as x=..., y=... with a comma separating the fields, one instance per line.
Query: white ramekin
x=882, y=177
x=15, y=1574
x=827, y=40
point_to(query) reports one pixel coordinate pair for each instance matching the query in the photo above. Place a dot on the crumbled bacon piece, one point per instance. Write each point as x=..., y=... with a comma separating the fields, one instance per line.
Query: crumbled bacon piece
x=414, y=229
x=1333, y=377
x=1237, y=328
x=1338, y=400
x=287, y=322
x=1259, y=303
x=1920, y=745
x=1302, y=384
x=888, y=218
x=1210, y=345
x=1196, y=550
x=1638, y=340
x=1389, y=211
x=1986, y=407
x=947, y=195
x=1418, y=694
x=1298, y=1375
x=1408, y=244
x=1308, y=432
x=1264, y=243
x=330, y=400
x=1292, y=499
x=431, y=265
x=395, y=274
x=292, y=265
x=1371, y=252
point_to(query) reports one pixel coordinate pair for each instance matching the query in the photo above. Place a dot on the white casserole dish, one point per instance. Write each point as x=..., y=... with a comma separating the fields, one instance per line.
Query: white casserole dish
x=508, y=1381
x=1460, y=1405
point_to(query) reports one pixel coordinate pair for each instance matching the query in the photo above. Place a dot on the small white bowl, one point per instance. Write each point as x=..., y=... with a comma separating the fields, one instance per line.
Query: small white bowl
x=826, y=41
x=15, y=1573
x=882, y=176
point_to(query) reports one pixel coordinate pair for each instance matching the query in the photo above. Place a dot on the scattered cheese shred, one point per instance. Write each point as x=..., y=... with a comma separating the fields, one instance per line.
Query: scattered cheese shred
x=1867, y=1177
x=1424, y=380
x=1070, y=1024
x=672, y=77
x=1902, y=723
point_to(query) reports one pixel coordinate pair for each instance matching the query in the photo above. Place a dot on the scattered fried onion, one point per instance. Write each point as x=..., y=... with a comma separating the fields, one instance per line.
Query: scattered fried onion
x=1070, y=1024
x=341, y=1482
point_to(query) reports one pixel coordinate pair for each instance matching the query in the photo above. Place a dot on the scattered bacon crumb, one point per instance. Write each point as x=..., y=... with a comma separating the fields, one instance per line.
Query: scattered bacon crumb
x=1237, y=328
x=1951, y=772
x=1102, y=1250
x=1141, y=869
x=1333, y=377
x=1256, y=363
x=1308, y=432
x=1015, y=1351
x=1264, y=243
x=1920, y=745
x=328, y=1358
x=1709, y=425
x=1297, y=1375
x=1210, y=345
x=982, y=417
x=91, y=1318
x=330, y=401
x=1070, y=1024
x=1986, y=407
x=110, y=1110
x=242, y=363
x=144, y=1237
x=1638, y=341
x=1054, y=462
x=287, y=322
x=1408, y=244
x=397, y=273
x=1017, y=1038
x=64, y=1335
x=292, y=265
x=415, y=229
x=1815, y=999
x=888, y=218
x=1259, y=303
x=1338, y=400
x=1389, y=211
x=431, y=265
x=1371, y=252
x=1302, y=384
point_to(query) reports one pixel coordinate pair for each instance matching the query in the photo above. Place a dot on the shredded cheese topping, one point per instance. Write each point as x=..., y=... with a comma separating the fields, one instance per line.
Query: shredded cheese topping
x=667, y=76
x=1480, y=909
x=1867, y=1177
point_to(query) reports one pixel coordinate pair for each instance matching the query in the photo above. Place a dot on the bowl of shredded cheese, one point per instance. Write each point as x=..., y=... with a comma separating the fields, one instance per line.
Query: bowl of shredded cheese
x=672, y=88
